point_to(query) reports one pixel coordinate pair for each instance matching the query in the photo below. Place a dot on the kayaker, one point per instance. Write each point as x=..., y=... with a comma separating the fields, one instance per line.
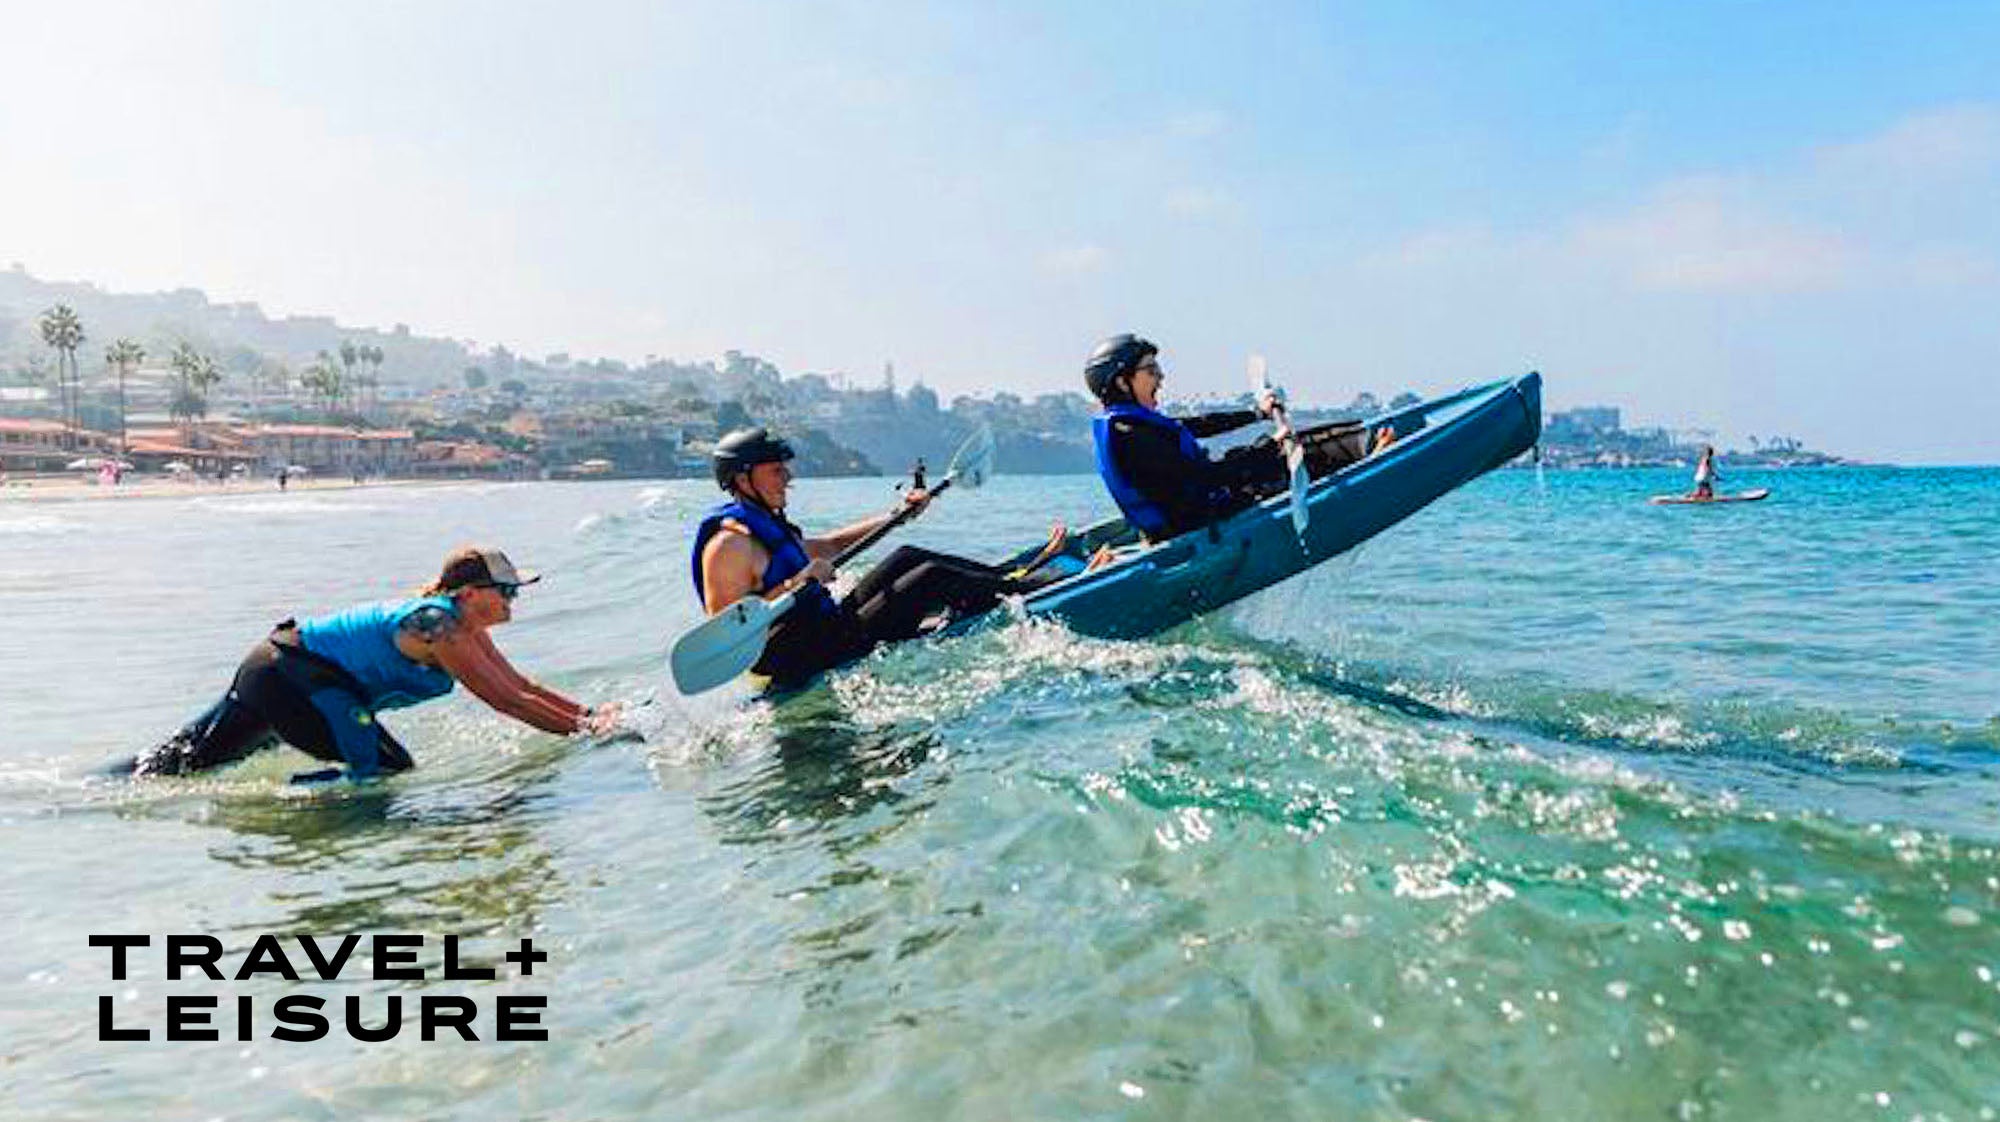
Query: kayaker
x=319, y=684
x=1704, y=473
x=748, y=547
x=1153, y=464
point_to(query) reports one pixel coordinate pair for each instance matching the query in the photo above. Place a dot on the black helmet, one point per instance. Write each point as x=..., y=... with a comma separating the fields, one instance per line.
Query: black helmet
x=1115, y=358
x=744, y=449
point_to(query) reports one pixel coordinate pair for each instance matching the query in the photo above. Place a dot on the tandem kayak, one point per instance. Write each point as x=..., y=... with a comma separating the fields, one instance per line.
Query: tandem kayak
x=1146, y=588
x=1756, y=495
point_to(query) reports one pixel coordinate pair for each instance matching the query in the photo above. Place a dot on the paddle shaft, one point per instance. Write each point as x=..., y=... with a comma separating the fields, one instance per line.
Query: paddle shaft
x=779, y=604
x=1298, y=479
x=730, y=641
x=868, y=539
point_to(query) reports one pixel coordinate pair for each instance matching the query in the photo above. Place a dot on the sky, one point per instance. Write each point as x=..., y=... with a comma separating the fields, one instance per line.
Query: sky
x=1748, y=219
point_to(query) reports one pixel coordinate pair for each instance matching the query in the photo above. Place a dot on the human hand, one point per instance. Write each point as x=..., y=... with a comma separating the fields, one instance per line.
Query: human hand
x=819, y=569
x=918, y=497
x=601, y=720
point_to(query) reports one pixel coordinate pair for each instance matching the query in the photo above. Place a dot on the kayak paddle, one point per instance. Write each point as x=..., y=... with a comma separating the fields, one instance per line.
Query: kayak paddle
x=729, y=642
x=1295, y=456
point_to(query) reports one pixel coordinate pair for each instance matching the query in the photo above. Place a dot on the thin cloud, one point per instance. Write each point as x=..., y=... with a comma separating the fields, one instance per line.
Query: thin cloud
x=1948, y=142
x=856, y=88
x=1199, y=125
x=1196, y=203
x=1077, y=259
x=1619, y=147
x=1885, y=210
x=1699, y=236
x=1437, y=249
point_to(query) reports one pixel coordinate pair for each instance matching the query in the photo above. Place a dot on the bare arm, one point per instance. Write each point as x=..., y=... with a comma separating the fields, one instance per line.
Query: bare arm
x=524, y=684
x=732, y=567
x=468, y=655
x=827, y=546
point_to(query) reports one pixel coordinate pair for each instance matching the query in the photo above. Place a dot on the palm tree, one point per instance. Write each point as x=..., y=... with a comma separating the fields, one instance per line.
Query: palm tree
x=63, y=332
x=322, y=380
x=122, y=356
x=207, y=376
x=309, y=382
x=349, y=355
x=198, y=374
x=186, y=405
x=332, y=384
x=373, y=355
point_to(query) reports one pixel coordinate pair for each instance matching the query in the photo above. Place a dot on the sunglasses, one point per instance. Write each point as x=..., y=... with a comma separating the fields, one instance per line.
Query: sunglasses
x=506, y=591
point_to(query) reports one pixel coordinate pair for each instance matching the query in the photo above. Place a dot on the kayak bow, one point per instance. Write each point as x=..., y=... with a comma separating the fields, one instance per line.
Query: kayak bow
x=1440, y=445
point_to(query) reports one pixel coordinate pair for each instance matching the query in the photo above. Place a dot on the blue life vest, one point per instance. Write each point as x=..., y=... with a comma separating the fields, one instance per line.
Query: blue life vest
x=779, y=539
x=362, y=641
x=1141, y=511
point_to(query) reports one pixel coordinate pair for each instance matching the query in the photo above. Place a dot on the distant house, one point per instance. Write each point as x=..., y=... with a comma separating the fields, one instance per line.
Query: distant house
x=1589, y=420
x=203, y=449
x=385, y=451
x=332, y=449
x=466, y=458
x=47, y=445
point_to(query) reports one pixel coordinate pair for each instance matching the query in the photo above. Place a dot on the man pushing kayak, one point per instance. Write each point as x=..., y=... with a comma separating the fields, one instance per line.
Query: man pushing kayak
x=748, y=547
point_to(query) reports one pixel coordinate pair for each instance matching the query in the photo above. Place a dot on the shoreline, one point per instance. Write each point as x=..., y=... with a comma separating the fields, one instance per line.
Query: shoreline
x=54, y=489
x=59, y=489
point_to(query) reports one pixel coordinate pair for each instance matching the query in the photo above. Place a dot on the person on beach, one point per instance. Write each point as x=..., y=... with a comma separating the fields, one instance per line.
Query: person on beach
x=1154, y=465
x=1704, y=473
x=318, y=684
x=748, y=547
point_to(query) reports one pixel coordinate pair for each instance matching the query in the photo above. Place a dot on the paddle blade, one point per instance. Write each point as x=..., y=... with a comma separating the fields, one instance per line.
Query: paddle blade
x=974, y=461
x=725, y=644
x=1295, y=458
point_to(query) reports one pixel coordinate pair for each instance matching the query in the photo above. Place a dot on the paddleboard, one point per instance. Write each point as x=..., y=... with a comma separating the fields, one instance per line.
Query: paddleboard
x=1690, y=500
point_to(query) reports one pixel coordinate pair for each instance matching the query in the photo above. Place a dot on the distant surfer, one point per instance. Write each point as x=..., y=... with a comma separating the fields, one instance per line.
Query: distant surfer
x=1154, y=465
x=318, y=684
x=1704, y=474
x=749, y=547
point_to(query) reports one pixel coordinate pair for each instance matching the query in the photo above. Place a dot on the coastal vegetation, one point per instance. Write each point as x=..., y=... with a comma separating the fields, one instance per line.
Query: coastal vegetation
x=230, y=364
x=62, y=331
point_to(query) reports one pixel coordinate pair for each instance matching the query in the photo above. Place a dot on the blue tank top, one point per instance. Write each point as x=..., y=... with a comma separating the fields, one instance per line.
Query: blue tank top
x=1140, y=510
x=780, y=539
x=362, y=641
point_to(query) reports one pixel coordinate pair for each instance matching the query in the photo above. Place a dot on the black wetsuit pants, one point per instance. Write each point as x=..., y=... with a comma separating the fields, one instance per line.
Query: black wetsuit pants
x=282, y=692
x=1248, y=475
x=892, y=603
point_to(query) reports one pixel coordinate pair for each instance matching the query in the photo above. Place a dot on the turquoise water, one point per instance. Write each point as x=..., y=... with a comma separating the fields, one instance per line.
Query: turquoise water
x=1545, y=804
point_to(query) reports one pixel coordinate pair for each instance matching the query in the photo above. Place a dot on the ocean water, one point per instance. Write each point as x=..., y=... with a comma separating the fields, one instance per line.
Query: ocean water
x=1544, y=804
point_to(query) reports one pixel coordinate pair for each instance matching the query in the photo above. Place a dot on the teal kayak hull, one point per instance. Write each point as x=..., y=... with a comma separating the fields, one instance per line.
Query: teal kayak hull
x=1442, y=445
